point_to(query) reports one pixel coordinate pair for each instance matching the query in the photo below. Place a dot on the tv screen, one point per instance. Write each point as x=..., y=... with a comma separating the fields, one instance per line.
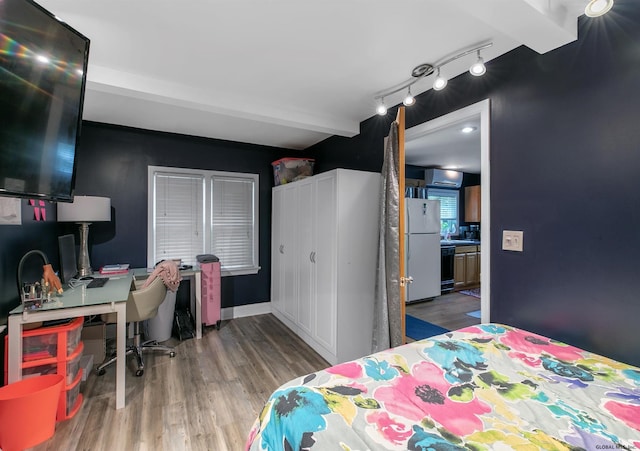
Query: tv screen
x=43, y=66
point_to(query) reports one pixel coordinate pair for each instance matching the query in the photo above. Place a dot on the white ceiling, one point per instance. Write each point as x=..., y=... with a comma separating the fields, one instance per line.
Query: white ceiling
x=448, y=148
x=285, y=73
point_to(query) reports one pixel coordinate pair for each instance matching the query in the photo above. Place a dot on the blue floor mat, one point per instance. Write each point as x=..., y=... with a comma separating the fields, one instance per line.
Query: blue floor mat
x=418, y=329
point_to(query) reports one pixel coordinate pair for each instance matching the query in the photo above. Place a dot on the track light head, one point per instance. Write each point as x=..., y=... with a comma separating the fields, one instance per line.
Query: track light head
x=381, y=109
x=478, y=68
x=409, y=99
x=596, y=8
x=440, y=82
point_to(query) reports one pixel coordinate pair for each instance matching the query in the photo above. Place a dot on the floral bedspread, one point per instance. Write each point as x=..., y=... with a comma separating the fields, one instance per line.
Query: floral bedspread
x=484, y=387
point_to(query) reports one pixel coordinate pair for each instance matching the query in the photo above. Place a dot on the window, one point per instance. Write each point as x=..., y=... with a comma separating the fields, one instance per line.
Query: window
x=194, y=212
x=448, y=209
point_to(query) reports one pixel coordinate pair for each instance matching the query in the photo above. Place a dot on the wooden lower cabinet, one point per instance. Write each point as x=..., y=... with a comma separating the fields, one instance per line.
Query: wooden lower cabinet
x=466, y=268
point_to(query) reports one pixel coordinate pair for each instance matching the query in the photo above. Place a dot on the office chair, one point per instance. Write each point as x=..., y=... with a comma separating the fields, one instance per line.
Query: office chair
x=142, y=304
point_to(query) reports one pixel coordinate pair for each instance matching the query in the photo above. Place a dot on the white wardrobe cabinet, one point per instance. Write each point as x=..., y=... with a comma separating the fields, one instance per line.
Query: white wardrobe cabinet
x=323, y=260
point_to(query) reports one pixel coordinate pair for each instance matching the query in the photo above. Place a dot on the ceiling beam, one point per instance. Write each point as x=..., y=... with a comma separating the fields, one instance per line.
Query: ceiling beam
x=541, y=25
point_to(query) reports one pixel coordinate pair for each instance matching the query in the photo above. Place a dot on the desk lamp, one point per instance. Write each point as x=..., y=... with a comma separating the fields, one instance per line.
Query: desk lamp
x=84, y=210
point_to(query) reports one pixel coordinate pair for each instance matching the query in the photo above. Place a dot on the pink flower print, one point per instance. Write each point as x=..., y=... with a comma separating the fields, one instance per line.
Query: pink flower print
x=351, y=370
x=391, y=430
x=628, y=413
x=424, y=394
x=531, y=343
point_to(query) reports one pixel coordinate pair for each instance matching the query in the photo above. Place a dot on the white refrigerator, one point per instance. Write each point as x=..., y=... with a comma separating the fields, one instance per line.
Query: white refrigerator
x=422, y=248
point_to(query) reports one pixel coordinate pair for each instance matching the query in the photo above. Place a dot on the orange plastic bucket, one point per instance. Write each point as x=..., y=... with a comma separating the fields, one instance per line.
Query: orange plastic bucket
x=28, y=411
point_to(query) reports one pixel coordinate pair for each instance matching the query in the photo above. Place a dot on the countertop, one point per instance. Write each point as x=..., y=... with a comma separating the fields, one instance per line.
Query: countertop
x=459, y=242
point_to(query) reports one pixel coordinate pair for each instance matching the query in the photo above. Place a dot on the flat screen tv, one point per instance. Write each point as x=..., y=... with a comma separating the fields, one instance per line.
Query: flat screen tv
x=43, y=67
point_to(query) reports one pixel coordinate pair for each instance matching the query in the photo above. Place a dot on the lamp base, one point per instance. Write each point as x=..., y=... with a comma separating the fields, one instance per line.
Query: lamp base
x=84, y=265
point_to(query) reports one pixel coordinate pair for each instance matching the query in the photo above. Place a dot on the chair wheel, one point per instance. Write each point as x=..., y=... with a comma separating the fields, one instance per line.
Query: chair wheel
x=139, y=372
x=101, y=372
x=172, y=354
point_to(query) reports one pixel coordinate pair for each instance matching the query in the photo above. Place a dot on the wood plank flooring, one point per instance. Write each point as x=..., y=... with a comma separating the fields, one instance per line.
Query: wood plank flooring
x=448, y=311
x=206, y=398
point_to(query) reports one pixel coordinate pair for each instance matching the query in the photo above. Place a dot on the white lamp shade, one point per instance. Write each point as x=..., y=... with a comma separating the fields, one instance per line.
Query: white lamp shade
x=85, y=209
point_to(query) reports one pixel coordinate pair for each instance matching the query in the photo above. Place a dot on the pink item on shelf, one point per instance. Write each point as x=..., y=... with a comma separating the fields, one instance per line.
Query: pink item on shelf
x=210, y=293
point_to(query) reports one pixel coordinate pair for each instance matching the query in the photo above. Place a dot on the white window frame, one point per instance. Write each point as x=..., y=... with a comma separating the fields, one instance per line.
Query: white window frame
x=206, y=226
x=452, y=194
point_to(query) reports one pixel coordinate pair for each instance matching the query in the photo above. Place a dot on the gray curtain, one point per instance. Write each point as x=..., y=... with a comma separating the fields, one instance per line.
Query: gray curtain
x=387, y=325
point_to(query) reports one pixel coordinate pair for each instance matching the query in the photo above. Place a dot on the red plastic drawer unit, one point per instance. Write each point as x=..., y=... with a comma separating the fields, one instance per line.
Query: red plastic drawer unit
x=55, y=350
x=210, y=280
x=55, y=341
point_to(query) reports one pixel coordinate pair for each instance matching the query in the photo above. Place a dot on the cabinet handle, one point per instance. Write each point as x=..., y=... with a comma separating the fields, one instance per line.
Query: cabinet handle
x=312, y=257
x=282, y=248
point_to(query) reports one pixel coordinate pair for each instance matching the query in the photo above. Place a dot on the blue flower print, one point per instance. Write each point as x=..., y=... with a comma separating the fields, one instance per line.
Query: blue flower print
x=295, y=415
x=379, y=371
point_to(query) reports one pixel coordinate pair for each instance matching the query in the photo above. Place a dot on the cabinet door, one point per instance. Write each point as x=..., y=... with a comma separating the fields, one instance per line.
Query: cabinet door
x=472, y=204
x=459, y=271
x=288, y=261
x=276, y=250
x=305, y=255
x=325, y=262
x=471, y=268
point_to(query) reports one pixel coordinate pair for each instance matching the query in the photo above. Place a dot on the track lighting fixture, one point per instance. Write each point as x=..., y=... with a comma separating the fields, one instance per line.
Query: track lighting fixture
x=409, y=99
x=477, y=69
x=596, y=8
x=424, y=70
x=440, y=82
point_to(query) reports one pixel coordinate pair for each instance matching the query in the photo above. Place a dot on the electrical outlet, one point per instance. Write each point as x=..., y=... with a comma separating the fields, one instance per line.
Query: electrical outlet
x=512, y=240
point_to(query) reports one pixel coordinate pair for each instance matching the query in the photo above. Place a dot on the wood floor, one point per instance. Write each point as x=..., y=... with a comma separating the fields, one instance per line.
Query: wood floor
x=207, y=397
x=448, y=311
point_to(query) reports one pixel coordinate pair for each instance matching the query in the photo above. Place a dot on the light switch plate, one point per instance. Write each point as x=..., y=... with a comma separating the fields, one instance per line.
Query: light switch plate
x=512, y=240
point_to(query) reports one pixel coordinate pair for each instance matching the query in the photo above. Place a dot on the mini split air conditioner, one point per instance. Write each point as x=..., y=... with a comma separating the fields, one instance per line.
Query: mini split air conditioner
x=443, y=178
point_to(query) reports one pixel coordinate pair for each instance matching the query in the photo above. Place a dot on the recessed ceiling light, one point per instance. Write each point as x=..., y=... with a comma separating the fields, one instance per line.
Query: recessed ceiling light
x=468, y=129
x=596, y=8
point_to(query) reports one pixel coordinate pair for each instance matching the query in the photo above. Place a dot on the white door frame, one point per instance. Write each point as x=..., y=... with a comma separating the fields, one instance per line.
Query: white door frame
x=481, y=109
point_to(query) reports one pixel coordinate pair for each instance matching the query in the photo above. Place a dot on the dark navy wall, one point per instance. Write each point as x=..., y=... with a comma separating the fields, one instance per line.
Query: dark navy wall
x=565, y=160
x=112, y=162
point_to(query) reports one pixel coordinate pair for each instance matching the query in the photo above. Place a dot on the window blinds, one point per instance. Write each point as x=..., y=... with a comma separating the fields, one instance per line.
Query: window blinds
x=179, y=217
x=196, y=212
x=232, y=221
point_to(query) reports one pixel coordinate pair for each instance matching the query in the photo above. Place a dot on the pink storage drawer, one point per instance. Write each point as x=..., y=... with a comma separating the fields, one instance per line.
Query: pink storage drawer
x=210, y=286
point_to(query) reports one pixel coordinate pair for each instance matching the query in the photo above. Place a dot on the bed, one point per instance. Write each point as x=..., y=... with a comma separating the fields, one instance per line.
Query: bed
x=483, y=387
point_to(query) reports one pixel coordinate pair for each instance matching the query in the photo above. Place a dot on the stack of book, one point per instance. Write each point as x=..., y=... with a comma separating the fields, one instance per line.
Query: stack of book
x=115, y=269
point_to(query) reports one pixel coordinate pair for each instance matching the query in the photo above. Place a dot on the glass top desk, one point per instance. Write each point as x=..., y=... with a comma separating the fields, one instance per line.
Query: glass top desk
x=75, y=302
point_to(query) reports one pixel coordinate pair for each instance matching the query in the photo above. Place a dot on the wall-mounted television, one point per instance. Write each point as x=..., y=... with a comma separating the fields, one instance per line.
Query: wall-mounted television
x=43, y=67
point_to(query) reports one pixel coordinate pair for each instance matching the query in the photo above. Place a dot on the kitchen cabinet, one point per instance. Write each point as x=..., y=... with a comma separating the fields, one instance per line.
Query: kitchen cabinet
x=466, y=268
x=323, y=260
x=472, y=204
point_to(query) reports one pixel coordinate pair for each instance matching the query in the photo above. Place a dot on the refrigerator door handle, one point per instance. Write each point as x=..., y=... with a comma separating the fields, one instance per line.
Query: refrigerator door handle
x=404, y=281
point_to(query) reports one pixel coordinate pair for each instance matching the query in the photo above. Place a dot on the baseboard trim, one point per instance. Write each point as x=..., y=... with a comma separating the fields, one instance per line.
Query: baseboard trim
x=261, y=308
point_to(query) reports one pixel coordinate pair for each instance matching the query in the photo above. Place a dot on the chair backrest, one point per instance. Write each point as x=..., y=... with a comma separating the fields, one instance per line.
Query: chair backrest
x=143, y=303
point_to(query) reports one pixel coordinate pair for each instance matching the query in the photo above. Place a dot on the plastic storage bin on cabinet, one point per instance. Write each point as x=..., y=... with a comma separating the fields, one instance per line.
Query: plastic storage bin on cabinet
x=286, y=170
x=210, y=276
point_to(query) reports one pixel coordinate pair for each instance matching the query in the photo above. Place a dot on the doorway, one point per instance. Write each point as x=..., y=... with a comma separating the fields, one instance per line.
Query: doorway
x=477, y=113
